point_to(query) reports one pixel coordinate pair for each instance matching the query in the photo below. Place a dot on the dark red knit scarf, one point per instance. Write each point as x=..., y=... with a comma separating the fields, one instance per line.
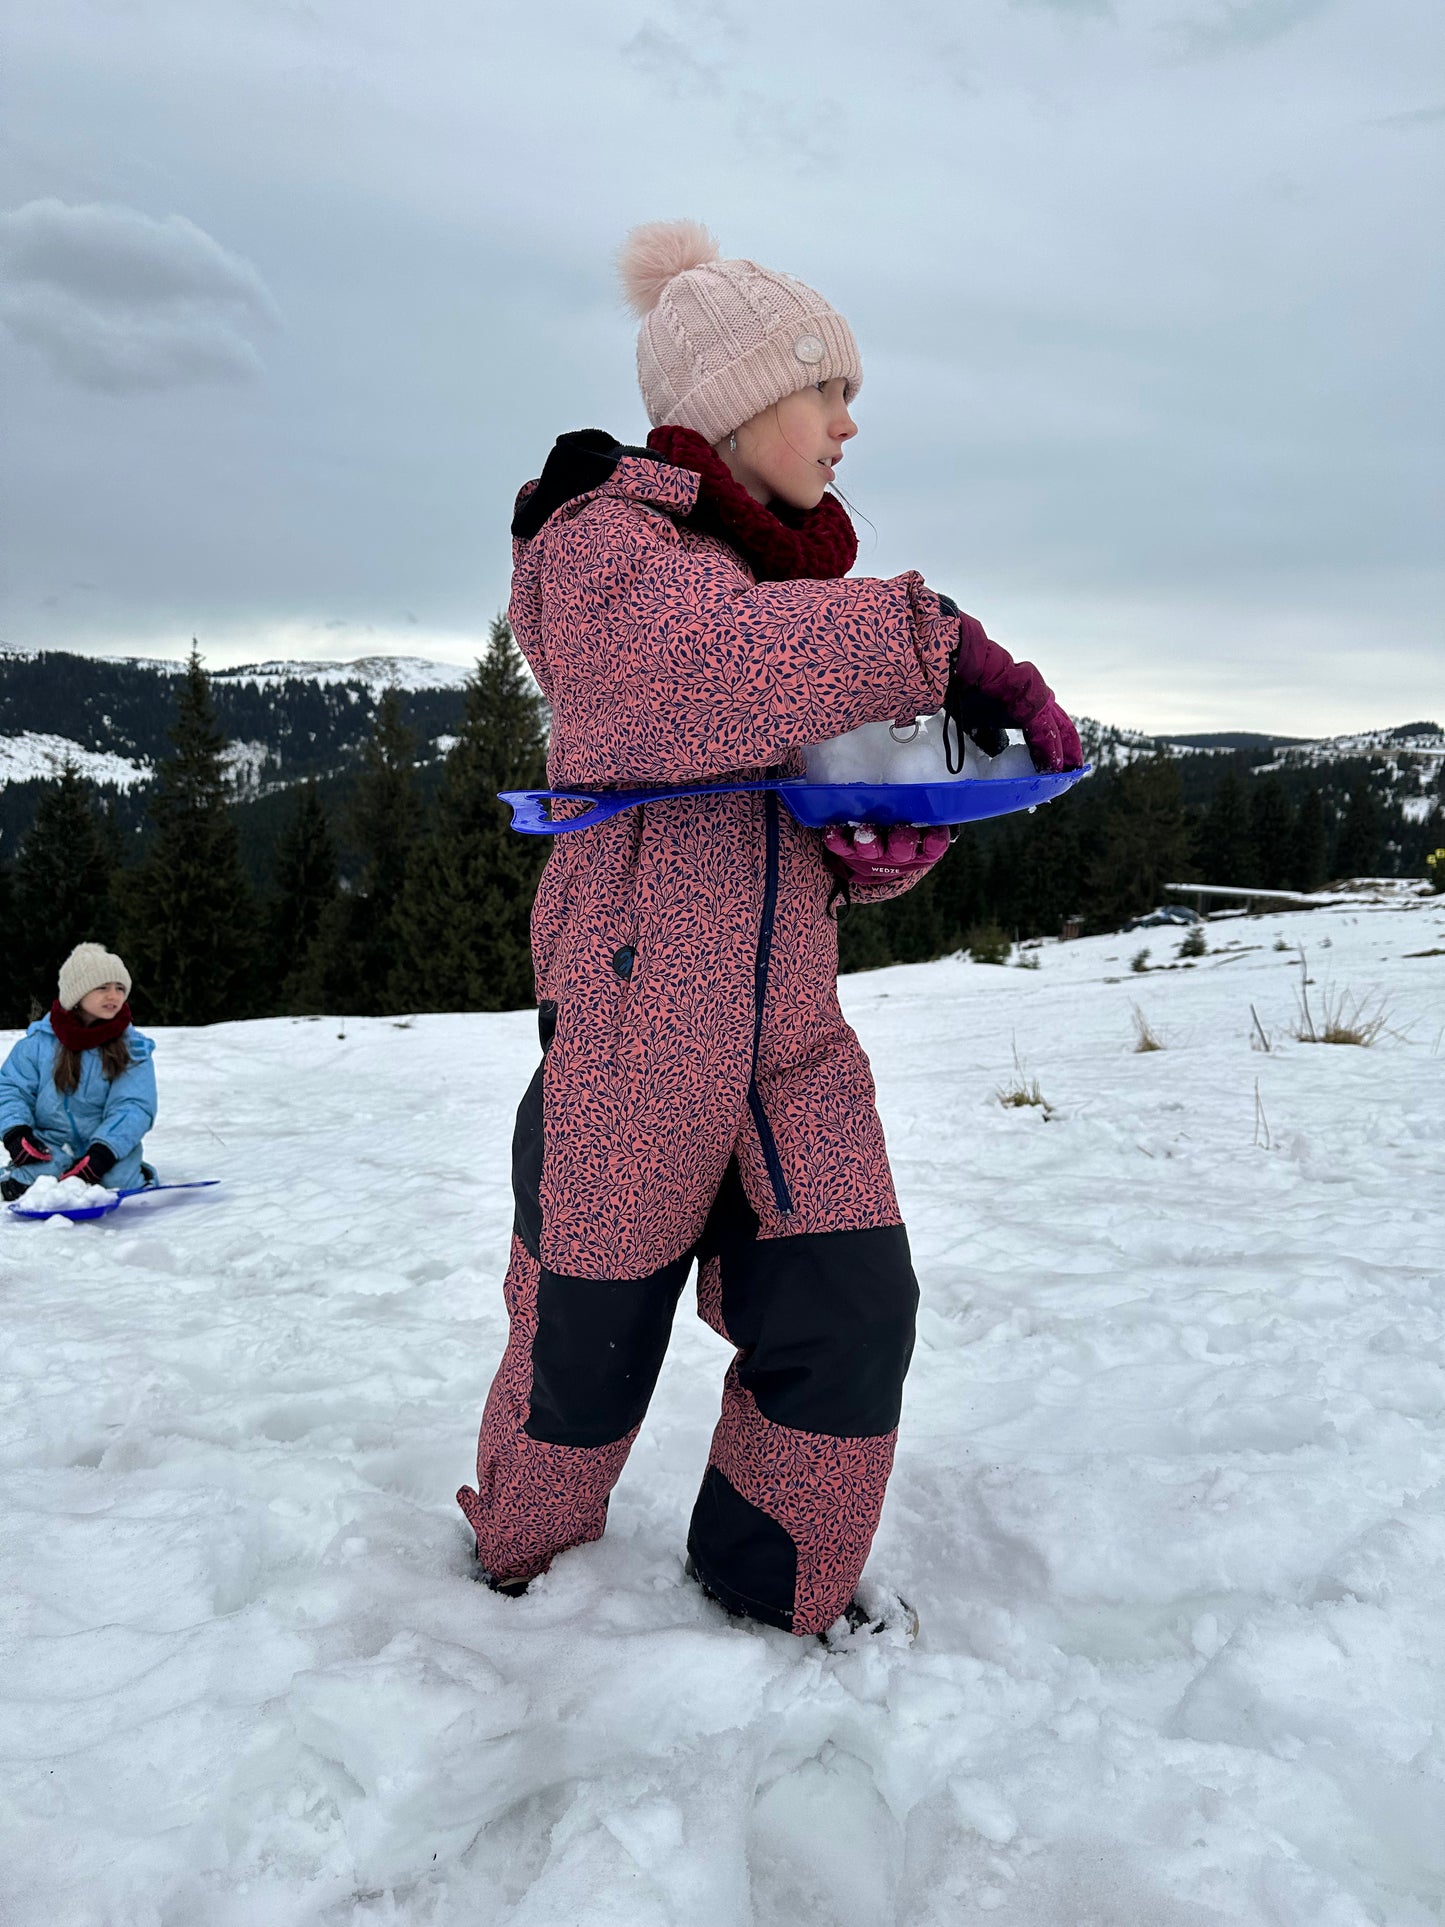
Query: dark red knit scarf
x=778, y=544
x=75, y=1034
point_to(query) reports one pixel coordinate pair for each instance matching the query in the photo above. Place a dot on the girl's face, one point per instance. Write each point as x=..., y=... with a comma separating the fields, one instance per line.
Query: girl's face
x=791, y=451
x=100, y=1005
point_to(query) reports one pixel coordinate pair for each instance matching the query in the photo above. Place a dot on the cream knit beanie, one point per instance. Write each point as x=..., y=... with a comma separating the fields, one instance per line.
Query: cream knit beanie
x=86, y=968
x=721, y=341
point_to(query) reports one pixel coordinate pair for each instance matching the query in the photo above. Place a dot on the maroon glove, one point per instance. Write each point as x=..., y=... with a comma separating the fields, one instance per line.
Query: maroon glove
x=22, y=1149
x=989, y=692
x=1053, y=741
x=93, y=1166
x=868, y=855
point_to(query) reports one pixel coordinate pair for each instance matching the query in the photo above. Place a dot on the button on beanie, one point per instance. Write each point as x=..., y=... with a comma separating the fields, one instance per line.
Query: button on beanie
x=721, y=341
x=86, y=968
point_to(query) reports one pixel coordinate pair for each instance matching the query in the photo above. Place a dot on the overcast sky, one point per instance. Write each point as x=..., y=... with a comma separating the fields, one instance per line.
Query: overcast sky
x=1149, y=294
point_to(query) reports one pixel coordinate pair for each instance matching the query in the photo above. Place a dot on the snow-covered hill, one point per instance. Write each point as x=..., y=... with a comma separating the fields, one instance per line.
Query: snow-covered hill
x=372, y=672
x=286, y=721
x=33, y=754
x=1415, y=747
x=1409, y=744
x=1170, y=1497
x=1412, y=758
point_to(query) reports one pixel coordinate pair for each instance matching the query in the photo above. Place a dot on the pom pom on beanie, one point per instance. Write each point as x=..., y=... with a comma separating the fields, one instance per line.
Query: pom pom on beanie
x=87, y=967
x=656, y=253
x=721, y=341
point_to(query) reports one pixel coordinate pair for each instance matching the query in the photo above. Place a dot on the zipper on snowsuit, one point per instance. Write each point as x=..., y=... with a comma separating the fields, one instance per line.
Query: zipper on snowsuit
x=764, y=1130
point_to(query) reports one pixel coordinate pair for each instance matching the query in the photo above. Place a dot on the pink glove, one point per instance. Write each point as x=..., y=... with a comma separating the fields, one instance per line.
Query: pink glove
x=869, y=855
x=988, y=691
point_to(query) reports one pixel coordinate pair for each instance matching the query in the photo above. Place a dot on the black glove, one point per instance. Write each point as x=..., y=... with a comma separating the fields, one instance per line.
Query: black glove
x=22, y=1148
x=93, y=1166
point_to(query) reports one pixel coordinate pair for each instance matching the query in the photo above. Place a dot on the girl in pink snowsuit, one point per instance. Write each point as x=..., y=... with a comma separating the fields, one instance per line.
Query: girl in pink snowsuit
x=685, y=610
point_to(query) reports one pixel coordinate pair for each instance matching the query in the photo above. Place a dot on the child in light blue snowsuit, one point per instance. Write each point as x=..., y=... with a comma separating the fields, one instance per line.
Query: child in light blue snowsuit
x=78, y=1092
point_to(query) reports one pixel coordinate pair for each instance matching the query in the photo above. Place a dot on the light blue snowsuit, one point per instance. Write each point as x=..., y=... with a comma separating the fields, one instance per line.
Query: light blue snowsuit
x=117, y=1114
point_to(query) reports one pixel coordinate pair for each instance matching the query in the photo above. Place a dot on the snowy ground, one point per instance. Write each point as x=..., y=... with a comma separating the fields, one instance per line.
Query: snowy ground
x=1170, y=1499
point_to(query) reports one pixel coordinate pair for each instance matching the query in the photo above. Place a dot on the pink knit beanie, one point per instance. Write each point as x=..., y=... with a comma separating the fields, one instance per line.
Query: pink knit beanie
x=722, y=340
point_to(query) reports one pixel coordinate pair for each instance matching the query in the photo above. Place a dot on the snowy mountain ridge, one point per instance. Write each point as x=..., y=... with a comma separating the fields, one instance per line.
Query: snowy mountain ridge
x=1410, y=757
x=373, y=672
x=285, y=721
x=376, y=673
x=1405, y=743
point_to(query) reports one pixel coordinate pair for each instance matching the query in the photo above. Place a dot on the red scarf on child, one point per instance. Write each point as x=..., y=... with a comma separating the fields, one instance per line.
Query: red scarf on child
x=75, y=1034
x=779, y=544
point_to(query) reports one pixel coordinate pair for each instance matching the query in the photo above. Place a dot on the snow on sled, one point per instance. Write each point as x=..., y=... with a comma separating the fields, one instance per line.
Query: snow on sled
x=78, y=1206
x=963, y=799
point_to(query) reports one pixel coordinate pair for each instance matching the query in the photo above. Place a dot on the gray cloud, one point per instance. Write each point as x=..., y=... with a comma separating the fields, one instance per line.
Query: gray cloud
x=1413, y=117
x=667, y=59
x=118, y=301
x=1097, y=9
x=696, y=51
x=1224, y=24
x=689, y=51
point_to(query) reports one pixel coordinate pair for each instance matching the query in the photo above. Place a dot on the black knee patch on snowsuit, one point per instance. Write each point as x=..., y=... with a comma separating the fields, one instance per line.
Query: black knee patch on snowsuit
x=527, y=1144
x=729, y=1534
x=824, y=1321
x=598, y=1350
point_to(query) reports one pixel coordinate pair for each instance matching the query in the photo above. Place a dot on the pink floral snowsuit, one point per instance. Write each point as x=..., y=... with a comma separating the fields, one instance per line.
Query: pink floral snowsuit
x=700, y=1095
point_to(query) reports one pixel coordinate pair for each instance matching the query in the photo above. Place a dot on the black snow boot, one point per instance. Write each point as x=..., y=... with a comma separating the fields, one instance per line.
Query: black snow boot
x=883, y=1611
x=878, y=1610
x=11, y=1189
x=509, y=1588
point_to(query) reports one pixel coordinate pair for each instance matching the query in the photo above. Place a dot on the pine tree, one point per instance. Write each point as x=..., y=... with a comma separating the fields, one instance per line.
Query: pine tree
x=1226, y=845
x=960, y=885
x=306, y=887
x=1360, y=847
x=360, y=934
x=62, y=885
x=14, y=1005
x=1137, y=841
x=1309, y=844
x=1271, y=825
x=915, y=927
x=465, y=941
x=864, y=941
x=189, y=915
x=1034, y=875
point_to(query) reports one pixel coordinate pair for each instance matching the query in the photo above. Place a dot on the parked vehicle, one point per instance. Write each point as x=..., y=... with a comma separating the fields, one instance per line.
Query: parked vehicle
x=1165, y=914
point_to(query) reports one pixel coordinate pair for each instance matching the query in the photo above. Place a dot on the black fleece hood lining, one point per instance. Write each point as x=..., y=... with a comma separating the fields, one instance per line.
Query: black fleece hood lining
x=579, y=462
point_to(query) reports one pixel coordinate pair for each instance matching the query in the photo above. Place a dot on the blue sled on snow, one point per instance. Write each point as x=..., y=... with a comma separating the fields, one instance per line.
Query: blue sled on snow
x=110, y=1201
x=965, y=800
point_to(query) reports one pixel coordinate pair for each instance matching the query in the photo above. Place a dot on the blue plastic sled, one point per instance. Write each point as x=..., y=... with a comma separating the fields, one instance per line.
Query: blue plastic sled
x=966, y=800
x=110, y=1201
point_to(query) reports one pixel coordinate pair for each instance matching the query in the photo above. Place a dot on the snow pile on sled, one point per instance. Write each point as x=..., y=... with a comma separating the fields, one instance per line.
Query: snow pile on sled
x=913, y=753
x=1169, y=1499
x=60, y=1194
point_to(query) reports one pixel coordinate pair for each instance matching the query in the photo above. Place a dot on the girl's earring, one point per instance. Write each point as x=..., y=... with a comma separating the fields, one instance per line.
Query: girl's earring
x=733, y=444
